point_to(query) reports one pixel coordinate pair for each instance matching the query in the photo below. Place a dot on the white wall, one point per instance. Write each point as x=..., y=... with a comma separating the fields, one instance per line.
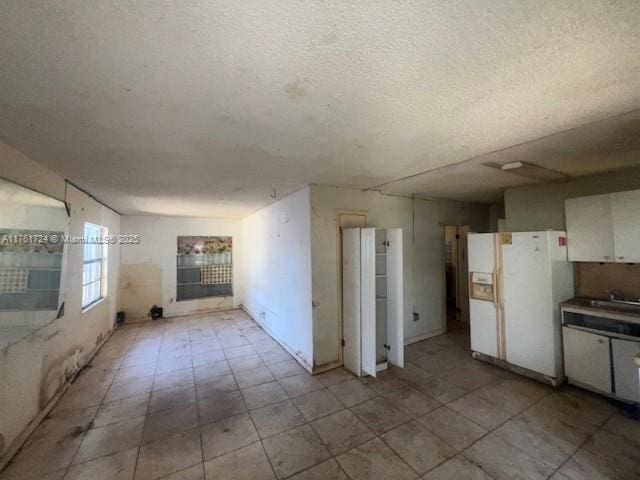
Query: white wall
x=37, y=367
x=423, y=265
x=541, y=207
x=148, y=270
x=276, y=266
x=430, y=216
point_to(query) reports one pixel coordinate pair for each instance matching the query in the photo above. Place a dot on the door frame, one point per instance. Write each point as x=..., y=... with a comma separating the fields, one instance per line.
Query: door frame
x=456, y=252
x=339, y=213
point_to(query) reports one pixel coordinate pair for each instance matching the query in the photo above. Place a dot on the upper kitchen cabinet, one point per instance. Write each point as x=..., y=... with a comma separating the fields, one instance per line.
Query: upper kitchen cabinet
x=625, y=209
x=589, y=229
x=604, y=228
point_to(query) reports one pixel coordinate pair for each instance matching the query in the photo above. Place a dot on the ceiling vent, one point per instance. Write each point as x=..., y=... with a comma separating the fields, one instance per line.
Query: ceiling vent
x=529, y=170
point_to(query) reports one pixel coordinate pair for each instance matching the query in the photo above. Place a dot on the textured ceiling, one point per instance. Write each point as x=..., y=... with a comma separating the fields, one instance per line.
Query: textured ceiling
x=606, y=145
x=206, y=108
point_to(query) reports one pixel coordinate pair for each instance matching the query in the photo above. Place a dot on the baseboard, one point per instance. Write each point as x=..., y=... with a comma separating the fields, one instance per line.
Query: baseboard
x=17, y=444
x=419, y=338
x=289, y=350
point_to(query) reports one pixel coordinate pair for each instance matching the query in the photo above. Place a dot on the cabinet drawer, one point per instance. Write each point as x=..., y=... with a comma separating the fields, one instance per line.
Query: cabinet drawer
x=587, y=359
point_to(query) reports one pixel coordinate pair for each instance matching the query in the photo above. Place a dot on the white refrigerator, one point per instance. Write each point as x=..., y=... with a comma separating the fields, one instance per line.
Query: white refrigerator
x=516, y=284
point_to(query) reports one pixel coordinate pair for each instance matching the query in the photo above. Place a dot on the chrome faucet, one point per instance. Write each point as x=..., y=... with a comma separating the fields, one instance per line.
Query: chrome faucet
x=618, y=297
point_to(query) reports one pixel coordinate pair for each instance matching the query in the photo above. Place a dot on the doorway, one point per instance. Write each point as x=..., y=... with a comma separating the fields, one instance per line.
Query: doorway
x=456, y=276
x=345, y=219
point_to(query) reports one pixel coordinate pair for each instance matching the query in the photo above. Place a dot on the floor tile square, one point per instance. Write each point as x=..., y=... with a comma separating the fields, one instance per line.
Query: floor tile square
x=351, y=392
x=112, y=438
x=227, y=435
x=171, y=398
x=503, y=461
x=341, y=431
x=297, y=385
x=314, y=405
x=455, y=429
x=379, y=415
x=328, y=470
x=219, y=406
x=248, y=463
x=373, y=460
x=418, y=447
x=264, y=394
x=169, y=455
x=169, y=422
x=480, y=411
x=117, y=466
x=295, y=450
x=276, y=418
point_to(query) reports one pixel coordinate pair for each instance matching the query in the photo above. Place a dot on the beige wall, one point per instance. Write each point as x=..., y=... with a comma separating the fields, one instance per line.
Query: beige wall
x=33, y=370
x=423, y=257
x=148, y=270
x=541, y=207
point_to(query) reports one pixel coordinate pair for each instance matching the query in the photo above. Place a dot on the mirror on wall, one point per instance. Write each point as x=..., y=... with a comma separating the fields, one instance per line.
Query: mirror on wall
x=32, y=227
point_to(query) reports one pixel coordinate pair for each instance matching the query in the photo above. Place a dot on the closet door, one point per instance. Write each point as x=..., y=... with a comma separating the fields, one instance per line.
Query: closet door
x=368, y=299
x=395, y=311
x=351, y=300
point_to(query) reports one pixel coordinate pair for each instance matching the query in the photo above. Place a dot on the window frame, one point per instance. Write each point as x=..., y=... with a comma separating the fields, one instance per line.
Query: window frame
x=101, y=260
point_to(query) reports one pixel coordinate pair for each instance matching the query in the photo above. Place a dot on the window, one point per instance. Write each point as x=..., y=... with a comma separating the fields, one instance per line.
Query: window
x=94, y=268
x=205, y=267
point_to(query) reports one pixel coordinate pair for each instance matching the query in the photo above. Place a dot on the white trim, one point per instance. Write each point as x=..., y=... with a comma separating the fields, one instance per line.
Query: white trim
x=419, y=338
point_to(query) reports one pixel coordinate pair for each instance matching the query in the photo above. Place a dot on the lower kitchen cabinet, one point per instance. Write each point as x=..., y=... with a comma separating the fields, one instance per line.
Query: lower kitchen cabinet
x=625, y=371
x=587, y=359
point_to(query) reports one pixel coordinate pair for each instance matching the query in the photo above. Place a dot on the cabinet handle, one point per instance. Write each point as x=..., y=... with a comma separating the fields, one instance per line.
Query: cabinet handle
x=620, y=258
x=600, y=341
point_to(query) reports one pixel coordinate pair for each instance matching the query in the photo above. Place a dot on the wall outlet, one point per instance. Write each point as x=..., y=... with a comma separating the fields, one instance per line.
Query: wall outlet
x=416, y=316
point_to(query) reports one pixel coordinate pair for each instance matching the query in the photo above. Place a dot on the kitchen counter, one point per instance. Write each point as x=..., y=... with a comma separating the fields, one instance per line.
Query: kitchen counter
x=582, y=305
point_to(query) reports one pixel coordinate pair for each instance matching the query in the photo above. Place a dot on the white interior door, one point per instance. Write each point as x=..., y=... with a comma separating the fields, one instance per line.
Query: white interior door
x=395, y=310
x=351, y=300
x=368, y=299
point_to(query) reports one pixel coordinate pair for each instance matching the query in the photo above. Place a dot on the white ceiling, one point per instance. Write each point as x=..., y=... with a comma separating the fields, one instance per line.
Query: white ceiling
x=205, y=108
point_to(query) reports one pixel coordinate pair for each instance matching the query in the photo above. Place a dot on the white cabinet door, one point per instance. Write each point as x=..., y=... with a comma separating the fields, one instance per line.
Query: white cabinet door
x=625, y=370
x=587, y=359
x=589, y=229
x=395, y=300
x=368, y=299
x=351, y=299
x=625, y=209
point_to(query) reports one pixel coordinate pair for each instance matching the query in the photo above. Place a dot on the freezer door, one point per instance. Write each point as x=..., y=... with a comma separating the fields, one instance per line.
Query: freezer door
x=351, y=299
x=526, y=295
x=484, y=327
x=395, y=297
x=368, y=299
x=481, y=252
x=483, y=313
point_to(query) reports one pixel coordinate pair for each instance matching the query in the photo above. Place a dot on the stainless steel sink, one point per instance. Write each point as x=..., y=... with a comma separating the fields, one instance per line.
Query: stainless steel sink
x=628, y=307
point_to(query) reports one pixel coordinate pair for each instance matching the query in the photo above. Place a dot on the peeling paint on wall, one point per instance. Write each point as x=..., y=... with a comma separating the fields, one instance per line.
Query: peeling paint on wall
x=56, y=373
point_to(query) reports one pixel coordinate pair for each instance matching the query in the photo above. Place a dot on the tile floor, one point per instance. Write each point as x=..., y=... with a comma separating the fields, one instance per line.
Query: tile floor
x=215, y=397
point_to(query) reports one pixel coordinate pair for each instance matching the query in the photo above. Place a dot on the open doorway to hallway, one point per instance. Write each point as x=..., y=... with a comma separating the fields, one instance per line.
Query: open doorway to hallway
x=456, y=277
